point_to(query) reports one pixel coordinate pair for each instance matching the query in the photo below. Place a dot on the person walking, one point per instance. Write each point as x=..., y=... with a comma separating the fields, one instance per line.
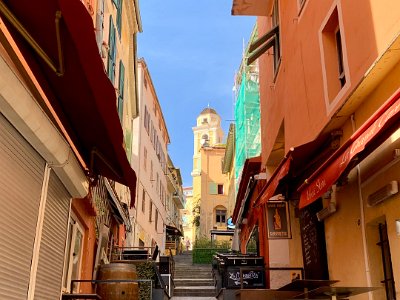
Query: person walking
x=187, y=244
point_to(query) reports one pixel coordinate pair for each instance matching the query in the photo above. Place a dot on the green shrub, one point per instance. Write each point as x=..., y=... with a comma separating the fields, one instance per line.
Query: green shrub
x=204, y=249
x=145, y=270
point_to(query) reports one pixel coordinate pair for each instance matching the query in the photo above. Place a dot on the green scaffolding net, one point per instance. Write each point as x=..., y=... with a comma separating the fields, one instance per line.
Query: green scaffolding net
x=247, y=116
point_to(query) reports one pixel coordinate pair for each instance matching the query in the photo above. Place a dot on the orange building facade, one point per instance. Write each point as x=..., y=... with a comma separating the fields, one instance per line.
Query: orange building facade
x=330, y=139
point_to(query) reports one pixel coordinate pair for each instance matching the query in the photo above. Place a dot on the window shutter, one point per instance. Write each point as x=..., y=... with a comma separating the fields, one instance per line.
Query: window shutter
x=111, y=53
x=212, y=188
x=119, y=17
x=121, y=90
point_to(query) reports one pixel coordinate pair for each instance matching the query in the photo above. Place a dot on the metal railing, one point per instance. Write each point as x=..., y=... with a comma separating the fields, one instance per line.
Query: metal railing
x=131, y=253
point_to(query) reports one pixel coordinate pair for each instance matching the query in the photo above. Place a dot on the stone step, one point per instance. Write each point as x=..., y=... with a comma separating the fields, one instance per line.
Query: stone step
x=192, y=270
x=192, y=267
x=193, y=282
x=199, y=291
x=193, y=275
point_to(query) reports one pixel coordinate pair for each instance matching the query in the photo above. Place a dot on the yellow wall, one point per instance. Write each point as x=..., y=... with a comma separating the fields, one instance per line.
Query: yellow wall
x=211, y=172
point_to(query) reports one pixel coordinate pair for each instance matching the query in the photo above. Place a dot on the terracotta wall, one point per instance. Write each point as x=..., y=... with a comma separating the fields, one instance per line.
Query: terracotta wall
x=296, y=96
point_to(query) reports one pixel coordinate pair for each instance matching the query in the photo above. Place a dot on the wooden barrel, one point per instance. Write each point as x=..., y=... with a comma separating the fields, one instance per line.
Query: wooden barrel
x=117, y=291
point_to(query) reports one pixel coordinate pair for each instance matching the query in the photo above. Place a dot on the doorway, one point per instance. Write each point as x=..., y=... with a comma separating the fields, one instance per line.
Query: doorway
x=388, y=279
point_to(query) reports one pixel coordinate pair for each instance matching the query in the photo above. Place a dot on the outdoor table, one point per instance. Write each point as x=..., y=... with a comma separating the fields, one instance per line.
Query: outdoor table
x=306, y=284
x=340, y=292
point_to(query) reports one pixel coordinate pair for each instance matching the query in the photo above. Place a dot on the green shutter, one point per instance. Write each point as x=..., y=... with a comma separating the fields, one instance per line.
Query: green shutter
x=111, y=52
x=212, y=186
x=121, y=90
x=119, y=17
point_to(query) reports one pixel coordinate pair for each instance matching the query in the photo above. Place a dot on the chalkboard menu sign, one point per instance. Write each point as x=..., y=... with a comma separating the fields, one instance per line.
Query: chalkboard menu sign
x=251, y=278
x=313, y=242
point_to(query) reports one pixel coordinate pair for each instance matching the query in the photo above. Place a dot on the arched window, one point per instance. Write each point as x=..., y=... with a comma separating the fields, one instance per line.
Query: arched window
x=220, y=215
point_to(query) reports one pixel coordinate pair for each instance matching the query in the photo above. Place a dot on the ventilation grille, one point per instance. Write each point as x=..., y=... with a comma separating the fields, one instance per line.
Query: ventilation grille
x=383, y=193
x=327, y=211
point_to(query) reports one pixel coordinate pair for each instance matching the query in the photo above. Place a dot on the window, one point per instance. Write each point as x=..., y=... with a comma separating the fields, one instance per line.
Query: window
x=152, y=133
x=277, y=46
x=332, y=56
x=339, y=51
x=151, y=212
x=157, y=183
x=151, y=171
x=269, y=40
x=73, y=255
x=156, y=220
x=220, y=189
x=143, y=200
x=121, y=84
x=111, y=52
x=145, y=118
x=145, y=158
x=220, y=217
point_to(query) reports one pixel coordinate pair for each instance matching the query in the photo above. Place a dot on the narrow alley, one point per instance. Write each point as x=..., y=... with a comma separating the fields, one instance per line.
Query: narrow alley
x=214, y=149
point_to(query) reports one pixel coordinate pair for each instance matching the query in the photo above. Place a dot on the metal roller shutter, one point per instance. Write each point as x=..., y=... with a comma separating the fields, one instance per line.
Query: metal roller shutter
x=21, y=178
x=52, y=247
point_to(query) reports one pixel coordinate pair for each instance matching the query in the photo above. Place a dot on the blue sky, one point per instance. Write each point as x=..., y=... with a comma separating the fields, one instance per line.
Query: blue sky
x=192, y=49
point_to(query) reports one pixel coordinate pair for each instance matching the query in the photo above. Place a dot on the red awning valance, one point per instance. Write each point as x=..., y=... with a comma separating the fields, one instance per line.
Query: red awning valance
x=77, y=87
x=367, y=138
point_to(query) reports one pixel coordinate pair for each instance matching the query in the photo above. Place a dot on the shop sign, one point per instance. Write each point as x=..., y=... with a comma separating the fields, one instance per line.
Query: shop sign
x=278, y=222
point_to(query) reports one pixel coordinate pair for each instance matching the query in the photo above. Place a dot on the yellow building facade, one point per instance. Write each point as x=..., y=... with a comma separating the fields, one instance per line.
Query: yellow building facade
x=210, y=185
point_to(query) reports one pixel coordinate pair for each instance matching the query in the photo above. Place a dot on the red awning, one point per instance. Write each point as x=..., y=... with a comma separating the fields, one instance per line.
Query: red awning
x=82, y=97
x=367, y=138
x=250, y=168
x=270, y=187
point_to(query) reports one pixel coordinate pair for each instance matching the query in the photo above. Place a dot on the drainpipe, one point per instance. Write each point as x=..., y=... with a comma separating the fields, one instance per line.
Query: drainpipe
x=362, y=220
x=39, y=231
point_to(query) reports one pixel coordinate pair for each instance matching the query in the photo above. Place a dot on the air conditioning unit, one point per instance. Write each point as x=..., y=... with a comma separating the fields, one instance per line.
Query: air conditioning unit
x=327, y=211
x=384, y=193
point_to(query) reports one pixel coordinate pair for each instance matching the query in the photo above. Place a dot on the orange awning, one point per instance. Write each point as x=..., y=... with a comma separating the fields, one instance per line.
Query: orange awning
x=384, y=122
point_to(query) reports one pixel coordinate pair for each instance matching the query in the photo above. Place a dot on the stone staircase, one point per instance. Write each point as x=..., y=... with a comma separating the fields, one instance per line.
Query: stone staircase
x=192, y=280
